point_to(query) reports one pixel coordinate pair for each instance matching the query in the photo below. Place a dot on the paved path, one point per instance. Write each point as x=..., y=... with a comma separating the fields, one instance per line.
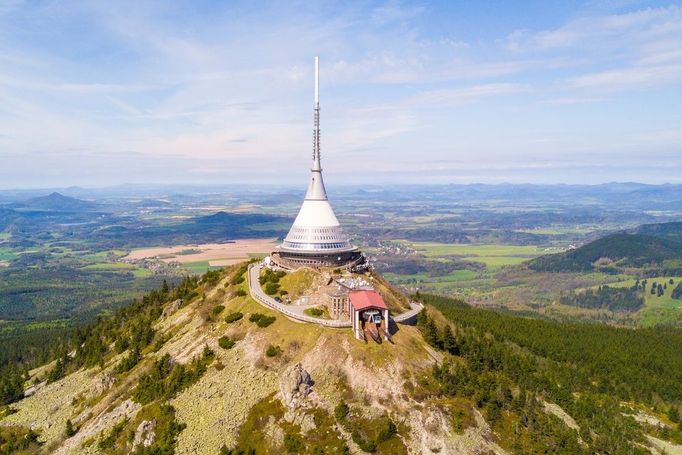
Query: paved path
x=415, y=308
x=298, y=311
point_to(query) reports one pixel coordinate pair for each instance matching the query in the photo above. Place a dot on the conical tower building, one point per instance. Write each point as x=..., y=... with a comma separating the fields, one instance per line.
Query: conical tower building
x=316, y=238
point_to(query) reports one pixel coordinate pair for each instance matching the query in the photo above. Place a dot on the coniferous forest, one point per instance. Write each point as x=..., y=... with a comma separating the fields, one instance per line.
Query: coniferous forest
x=510, y=366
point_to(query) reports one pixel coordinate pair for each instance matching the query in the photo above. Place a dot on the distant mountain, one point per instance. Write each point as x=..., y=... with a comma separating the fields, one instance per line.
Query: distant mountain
x=623, y=249
x=58, y=202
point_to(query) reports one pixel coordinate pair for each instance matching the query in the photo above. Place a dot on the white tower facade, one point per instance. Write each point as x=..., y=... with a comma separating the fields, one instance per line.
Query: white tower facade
x=316, y=237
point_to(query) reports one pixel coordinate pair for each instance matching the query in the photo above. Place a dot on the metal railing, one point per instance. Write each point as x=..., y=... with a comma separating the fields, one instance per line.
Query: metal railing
x=260, y=296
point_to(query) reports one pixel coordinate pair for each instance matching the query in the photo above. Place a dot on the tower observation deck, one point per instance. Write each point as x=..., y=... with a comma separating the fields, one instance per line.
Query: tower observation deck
x=316, y=238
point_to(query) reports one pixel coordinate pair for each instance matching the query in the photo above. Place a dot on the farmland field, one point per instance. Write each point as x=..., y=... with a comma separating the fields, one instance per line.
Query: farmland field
x=213, y=254
x=493, y=256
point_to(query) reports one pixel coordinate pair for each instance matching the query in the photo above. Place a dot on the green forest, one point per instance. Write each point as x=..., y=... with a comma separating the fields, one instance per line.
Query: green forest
x=598, y=374
x=622, y=250
x=605, y=297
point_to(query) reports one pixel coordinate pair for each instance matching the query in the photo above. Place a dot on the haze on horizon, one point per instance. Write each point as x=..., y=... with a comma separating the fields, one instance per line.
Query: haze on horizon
x=104, y=93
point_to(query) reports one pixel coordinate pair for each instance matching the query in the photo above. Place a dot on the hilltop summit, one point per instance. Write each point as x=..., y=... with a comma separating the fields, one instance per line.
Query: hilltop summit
x=203, y=369
x=58, y=202
x=204, y=366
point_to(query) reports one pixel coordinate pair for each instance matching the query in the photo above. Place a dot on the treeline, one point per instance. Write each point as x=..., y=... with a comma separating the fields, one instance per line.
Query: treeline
x=129, y=328
x=566, y=364
x=22, y=348
x=605, y=297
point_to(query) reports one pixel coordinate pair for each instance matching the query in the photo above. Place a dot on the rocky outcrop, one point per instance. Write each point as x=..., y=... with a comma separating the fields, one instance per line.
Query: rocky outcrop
x=295, y=386
x=102, y=383
x=172, y=307
x=144, y=435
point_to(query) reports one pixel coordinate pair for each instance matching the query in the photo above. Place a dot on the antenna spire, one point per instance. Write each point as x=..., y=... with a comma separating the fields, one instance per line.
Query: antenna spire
x=316, y=119
x=317, y=81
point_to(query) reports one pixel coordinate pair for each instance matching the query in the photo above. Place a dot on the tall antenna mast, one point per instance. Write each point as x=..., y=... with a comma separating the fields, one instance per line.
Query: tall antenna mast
x=316, y=119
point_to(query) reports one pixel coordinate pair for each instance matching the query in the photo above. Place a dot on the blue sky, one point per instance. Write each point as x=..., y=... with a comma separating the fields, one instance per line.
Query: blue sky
x=102, y=93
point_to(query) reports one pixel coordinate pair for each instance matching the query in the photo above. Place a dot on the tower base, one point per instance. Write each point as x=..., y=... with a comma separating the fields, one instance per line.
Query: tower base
x=345, y=260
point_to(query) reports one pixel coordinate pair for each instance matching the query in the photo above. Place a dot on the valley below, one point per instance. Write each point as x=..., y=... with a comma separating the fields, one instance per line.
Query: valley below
x=561, y=305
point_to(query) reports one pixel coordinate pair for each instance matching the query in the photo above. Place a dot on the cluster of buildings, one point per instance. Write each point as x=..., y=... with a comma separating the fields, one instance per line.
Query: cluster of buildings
x=316, y=239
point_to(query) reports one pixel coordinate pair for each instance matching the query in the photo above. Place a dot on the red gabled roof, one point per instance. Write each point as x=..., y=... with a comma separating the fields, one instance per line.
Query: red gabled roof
x=366, y=299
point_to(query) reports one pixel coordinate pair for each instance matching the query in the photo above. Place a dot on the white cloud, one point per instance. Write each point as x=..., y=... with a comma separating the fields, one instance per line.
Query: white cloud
x=633, y=77
x=231, y=88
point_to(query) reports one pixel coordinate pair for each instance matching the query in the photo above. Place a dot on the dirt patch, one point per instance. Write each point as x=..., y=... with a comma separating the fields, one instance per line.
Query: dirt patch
x=216, y=253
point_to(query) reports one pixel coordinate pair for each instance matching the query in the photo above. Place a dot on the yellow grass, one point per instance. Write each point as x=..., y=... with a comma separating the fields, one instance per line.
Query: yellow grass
x=218, y=254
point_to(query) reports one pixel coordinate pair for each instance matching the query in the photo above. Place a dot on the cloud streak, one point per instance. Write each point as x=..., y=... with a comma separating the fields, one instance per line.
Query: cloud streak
x=222, y=92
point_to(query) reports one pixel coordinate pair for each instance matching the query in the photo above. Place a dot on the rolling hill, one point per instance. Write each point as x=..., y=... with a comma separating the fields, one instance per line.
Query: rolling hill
x=617, y=250
x=59, y=203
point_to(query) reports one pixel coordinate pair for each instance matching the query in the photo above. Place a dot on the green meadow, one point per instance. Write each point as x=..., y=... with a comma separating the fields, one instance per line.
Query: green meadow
x=199, y=267
x=493, y=256
x=657, y=310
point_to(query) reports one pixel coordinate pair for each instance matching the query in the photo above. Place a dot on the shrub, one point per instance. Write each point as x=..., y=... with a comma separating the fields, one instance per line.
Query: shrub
x=225, y=342
x=211, y=277
x=262, y=320
x=70, y=430
x=121, y=345
x=271, y=288
x=341, y=411
x=240, y=293
x=273, y=351
x=237, y=280
x=387, y=432
x=57, y=372
x=232, y=317
x=293, y=443
x=109, y=441
x=315, y=312
x=364, y=444
x=166, y=379
x=128, y=362
x=217, y=310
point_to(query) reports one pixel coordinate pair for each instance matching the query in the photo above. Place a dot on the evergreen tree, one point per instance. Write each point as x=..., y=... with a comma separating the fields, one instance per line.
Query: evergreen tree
x=431, y=334
x=448, y=340
x=70, y=430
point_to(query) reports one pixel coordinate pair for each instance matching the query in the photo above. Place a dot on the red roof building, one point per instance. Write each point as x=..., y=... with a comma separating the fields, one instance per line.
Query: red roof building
x=366, y=299
x=369, y=315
